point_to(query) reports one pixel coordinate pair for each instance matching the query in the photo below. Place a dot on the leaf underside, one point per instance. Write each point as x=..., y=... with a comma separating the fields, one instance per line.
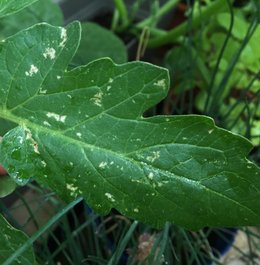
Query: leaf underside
x=81, y=132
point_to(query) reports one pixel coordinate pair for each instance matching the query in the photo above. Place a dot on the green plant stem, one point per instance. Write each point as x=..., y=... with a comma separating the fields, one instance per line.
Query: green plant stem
x=41, y=231
x=122, y=10
x=234, y=60
x=115, y=20
x=161, y=12
x=180, y=30
x=122, y=244
x=163, y=245
x=220, y=56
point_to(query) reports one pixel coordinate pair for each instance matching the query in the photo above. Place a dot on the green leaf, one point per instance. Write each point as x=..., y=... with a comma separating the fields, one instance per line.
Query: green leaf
x=10, y=241
x=5, y=126
x=7, y=186
x=8, y=7
x=82, y=133
x=97, y=42
x=41, y=11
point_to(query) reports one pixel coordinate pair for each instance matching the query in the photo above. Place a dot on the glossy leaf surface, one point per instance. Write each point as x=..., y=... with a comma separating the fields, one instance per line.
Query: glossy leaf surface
x=8, y=7
x=82, y=133
x=7, y=186
x=41, y=11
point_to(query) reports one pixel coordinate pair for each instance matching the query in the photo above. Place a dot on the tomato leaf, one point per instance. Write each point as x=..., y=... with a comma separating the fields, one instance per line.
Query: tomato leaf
x=8, y=7
x=11, y=240
x=82, y=133
x=97, y=42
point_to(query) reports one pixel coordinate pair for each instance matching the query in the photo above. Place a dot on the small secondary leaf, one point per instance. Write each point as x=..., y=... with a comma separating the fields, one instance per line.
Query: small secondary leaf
x=8, y=7
x=97, y=42
x=82, y=133
x=41, y=11
x=10, y=241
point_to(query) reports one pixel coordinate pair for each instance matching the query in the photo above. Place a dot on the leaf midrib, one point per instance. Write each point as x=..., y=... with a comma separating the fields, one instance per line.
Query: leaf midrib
x=39, y=128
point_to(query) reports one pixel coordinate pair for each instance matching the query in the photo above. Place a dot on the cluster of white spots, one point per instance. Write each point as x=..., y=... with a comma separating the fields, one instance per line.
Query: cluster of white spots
x=160, y=83
x=33, y=142
x=73, y=190
x=49, y=53
x=97, y=99
x=79, y=134
x=57, y=117
x=150, y=175
x=43, y=163
x=58, y=77
x=42, y=91
x=33, y=70
x=46, y=123
x=155, y=155
x=63, y=36
x=211, y=131
x=136, y=210
x=102, y=165
x=137, y=181
x=110, y=197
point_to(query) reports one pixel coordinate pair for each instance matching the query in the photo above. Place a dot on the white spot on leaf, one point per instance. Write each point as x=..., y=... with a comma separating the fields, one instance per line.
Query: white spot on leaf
x=102, y=165
x=57, y=117
x=33, y=142
x=63, y=36
x=46, y=123
x=160, y=83
x=20, y=138
x=155, y=155
x=73, y=189
x=33, y=70
x=150, y=175
x=42, y=91
x=110, y=197
x=49, y=53
x=79, y=134
x=97, y=99
x=43, y=163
